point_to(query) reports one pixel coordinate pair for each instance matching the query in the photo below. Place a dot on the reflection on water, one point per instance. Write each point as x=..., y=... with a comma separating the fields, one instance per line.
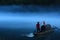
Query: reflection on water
x=28, y=35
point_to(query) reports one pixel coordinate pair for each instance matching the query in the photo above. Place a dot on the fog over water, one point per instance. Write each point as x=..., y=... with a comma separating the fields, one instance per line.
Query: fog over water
x=18, y=20
x=21, y=21
x=17, y=16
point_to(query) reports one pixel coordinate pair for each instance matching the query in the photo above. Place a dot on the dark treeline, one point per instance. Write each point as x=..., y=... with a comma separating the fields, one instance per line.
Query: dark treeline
x=42, y=2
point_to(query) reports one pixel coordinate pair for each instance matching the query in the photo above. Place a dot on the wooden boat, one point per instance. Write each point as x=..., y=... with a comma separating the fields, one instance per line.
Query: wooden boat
x=42, y=34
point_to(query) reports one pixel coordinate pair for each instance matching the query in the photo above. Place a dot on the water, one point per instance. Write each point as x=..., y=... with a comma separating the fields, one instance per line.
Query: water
x=23, y=34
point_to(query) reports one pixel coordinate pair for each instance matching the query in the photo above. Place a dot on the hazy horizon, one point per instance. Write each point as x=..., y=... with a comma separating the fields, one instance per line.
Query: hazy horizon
x=13, y=17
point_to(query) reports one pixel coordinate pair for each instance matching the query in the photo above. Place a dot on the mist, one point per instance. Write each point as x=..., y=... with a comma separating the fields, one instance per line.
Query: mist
x=28, y=20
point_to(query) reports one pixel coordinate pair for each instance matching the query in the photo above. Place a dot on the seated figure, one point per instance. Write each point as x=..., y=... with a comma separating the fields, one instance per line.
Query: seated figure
x=43, y=27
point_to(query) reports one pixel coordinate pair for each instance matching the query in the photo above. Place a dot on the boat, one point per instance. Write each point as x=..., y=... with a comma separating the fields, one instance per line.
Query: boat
x=48, y=31
x=44, y=33
x=41, y=33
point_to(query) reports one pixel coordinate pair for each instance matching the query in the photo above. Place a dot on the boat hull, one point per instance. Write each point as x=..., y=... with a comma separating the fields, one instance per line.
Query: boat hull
x=43, y=34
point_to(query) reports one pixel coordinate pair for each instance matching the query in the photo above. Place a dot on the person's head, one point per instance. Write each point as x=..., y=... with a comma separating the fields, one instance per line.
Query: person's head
x=37, y=22
x=43, y=22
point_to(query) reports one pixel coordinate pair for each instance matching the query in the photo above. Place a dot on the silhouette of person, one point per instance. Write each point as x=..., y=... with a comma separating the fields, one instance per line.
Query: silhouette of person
x=43, y=27
x=38, y=27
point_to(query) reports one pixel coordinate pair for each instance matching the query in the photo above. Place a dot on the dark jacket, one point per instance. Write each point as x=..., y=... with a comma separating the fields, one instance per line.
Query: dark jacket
x=42, y=28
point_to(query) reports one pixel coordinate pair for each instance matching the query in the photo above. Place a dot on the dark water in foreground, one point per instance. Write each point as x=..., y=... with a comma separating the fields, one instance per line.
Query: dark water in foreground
x=16, y=34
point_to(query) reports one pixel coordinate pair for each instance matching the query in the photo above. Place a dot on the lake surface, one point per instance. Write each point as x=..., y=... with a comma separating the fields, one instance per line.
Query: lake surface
x=21, y=34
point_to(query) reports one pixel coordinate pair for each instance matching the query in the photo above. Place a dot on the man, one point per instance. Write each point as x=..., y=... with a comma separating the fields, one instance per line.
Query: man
x=38, y=27
x=43, y=27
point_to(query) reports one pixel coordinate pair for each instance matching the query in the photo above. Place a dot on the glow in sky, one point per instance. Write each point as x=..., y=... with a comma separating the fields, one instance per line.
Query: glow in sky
x=52, y=19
